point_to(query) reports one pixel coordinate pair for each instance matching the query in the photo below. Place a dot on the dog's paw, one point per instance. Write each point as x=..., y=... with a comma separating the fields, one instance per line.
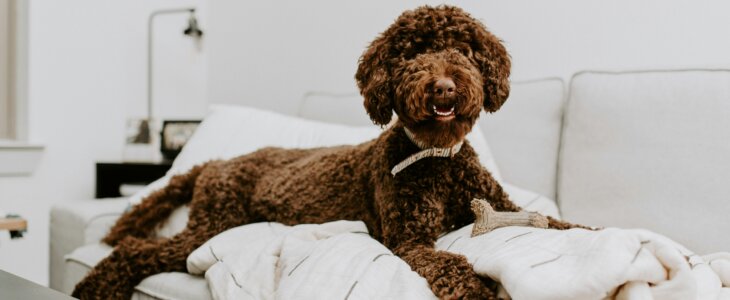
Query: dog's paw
x=482, y=293
x=469, y=287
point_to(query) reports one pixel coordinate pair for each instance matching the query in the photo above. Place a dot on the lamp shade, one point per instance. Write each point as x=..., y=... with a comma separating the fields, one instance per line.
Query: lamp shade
x=193, y=30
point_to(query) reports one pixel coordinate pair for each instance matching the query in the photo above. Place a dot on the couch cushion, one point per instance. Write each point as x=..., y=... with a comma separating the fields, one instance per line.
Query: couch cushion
x=80, y=261
x=77, y=223
x=524, y=134
x=652, y=150
x=320, y=105
x=173, y=285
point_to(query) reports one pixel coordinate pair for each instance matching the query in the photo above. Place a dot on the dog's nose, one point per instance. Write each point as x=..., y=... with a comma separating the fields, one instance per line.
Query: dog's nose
x=444, y=87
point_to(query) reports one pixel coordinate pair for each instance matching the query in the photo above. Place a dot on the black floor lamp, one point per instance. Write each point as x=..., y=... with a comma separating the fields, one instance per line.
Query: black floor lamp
x=147, y=132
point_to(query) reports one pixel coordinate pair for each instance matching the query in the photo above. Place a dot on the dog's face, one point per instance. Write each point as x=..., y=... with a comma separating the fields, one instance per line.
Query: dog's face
x=437, y=68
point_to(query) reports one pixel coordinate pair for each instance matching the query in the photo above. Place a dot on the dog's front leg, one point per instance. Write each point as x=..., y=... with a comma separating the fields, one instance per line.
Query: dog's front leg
x=450, y=275
x=562, y=225
x=410, y=227
x=116, y=276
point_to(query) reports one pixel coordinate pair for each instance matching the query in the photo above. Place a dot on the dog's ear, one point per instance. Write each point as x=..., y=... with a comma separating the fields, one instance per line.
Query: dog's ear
x=372, y=79
x=495, y=68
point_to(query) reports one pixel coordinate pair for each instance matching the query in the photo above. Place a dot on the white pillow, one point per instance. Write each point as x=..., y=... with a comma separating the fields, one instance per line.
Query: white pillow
x=231, y=130
x=481, y=147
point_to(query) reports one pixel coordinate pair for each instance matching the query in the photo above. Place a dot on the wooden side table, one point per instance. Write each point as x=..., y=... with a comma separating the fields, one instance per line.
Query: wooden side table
x=111, y=175
x=13, y=224
x=16, y=225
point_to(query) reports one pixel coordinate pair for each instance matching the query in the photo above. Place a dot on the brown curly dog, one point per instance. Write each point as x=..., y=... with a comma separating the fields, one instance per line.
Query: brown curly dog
x=437, y=68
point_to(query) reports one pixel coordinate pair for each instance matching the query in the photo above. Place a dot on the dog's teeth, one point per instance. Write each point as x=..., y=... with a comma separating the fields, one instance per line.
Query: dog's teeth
x=436, y=110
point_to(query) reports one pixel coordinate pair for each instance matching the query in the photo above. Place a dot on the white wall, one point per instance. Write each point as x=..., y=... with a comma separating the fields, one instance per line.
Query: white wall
x=86, y=76
x=267, y=53
x=4, y=67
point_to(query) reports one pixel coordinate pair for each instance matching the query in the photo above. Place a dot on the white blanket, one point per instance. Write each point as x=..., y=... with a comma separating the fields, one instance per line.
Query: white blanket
x=338, y=260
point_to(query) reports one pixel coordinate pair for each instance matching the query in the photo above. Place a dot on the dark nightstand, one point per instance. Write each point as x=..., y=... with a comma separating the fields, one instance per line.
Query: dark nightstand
x=111, y=175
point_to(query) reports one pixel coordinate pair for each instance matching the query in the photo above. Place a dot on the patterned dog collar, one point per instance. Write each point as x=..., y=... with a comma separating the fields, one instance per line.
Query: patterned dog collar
x=425, y=152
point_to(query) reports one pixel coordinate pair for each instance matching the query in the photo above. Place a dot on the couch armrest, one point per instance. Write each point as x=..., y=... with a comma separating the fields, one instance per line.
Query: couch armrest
x=77, y=223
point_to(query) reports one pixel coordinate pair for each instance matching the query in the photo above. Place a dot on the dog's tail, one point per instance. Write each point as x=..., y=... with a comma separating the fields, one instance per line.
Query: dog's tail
x=142, y=220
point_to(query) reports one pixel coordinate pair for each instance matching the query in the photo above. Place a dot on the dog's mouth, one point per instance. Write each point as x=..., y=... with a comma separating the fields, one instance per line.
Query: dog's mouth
x=444, y=112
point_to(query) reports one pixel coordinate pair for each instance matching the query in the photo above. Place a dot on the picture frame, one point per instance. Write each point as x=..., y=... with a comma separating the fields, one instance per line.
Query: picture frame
x=174, y=135
x=137, y=132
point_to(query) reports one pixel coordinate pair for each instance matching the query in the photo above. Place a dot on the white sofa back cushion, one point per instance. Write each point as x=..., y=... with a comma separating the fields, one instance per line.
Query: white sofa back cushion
x=337, y=108
x=652, y=150
x=230, y=130
x=524, y=134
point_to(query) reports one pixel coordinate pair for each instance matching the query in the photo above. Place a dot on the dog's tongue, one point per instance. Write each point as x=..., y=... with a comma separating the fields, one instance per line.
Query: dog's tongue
x=443, y=109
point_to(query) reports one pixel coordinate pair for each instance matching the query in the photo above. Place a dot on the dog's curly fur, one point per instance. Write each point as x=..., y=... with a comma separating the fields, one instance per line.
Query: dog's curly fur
x=406, y=212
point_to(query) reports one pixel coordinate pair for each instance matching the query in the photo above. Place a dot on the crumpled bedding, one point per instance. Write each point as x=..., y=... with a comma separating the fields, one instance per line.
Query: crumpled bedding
x=339, y=260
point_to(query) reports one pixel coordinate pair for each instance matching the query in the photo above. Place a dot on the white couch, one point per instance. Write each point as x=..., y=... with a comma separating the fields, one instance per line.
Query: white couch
x=646, y=149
